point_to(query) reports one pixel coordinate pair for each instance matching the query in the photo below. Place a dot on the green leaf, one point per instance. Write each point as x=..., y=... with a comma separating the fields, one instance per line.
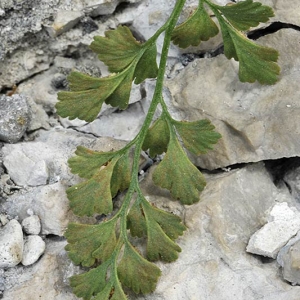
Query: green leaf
x=197, y=137
x=169, y=223
x=198, y=27
x=105, y=293
x=92, y=282
x=177, y=174
x=246, y=14
x=88, y=243
x=256, y=62
x=87, y=95
x=136, y=222
x=162, y=229
x=157, y=137
x=120, y=96
x=136, y=272
x=95, y=283
x=94, y=195
x=121, y=175
x=147, y=66
x=118, y=49
x=88, y=162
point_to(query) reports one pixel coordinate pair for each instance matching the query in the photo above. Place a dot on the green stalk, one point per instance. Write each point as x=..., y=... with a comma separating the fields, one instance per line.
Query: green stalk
x=168, y=27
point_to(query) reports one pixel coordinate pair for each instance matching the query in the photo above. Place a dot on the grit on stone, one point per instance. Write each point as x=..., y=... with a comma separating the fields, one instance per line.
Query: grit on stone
x=246, y=207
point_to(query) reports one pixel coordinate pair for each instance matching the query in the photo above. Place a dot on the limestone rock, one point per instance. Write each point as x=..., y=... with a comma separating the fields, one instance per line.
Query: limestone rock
x=49, y=203
x=123, y=126
x=39, y=118
x=32, y=225
x=256, y=122
x=289, y=259
x=22, y=65
x=11, y=244
x=292, y=179
x=213, y=258
x=14, y=118
x=34, y=247
x=26, y=164
x=44, y=160
x=284, y=224
x=284, y=13
x=64, y=21
x=47, y=279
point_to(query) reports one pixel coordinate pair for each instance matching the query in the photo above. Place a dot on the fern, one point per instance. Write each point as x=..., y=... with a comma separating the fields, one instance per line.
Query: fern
x=106, y=247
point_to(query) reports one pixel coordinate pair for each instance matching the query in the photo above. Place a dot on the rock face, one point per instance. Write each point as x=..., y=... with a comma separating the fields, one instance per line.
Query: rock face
x=256, y=122
x=289, y=259
x=11, y=244
x=49, y=203
x=14, y=118
x=46, y=280
x=284, y=224
x=234, y=205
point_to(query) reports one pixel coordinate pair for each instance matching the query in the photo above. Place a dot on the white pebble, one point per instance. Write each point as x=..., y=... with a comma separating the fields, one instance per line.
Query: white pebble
x=32, y=225
x=11, y=244
x=34, y=247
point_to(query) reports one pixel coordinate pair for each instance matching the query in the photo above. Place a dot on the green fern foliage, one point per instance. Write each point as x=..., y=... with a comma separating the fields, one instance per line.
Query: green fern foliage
x=107, y=248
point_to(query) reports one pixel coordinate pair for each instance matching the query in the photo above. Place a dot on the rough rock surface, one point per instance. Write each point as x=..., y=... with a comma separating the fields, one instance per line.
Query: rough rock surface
x=31, y=225
x=49, y=202
x=48, y=279
x=44, y=160
x=11, y=244
x=289, y=259
x=14, y=117
x=234, y=205
x=284, y=223
x=34, y=247
x=256, y=122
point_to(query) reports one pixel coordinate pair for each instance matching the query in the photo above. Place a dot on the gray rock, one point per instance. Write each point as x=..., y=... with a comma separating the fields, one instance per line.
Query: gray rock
x=124, y=126
x=64, y=21
x=34, y=247
x=49, y=203
x=22, y=64
x=44, y=160
x=213, y=258
x=26, y=164
x=11, y=244
x=40, y=90
x=32, y=225
x=292, y=179
x=88, y=25
x=3, y=219
x=47, y=279
x=289, y=259
x=256, y=122
x=283, y=225
x=14, y=117
x=59, y=81
x=39, y=118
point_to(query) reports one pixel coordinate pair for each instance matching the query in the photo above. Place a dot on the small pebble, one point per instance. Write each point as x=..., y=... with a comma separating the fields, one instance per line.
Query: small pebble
x=32, y=225
x=34, y=247
x=11, y=244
